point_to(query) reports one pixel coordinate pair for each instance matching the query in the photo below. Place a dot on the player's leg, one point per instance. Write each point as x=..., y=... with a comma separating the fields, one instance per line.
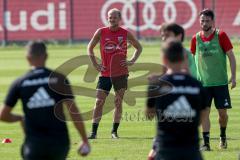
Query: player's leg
x=117, y=114
x=223, y=119
x=120, y=86
x=222, y=103
x=186, y=154
x=103, y=88
x=31, y=151
x=206, y=120
x=47, y=149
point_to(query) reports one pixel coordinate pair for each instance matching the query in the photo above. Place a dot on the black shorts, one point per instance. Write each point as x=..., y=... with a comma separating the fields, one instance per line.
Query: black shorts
x=177, y=155
x=221, y=96
x=39, y=150
x=106, y=83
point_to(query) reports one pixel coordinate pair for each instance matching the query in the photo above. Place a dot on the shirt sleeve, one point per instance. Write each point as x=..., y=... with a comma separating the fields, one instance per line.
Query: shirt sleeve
x=225, y=41
x=193, y=44
x=13, y=94
x=150, y=100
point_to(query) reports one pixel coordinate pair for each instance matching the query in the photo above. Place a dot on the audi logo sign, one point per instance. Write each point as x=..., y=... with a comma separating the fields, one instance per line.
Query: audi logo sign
x=79, y=19
x=149, y=6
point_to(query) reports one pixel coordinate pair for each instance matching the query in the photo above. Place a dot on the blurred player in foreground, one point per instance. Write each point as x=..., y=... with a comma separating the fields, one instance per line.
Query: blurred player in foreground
x=46, y=134
x=173, y=30
x=114, y=67
x=178, y=101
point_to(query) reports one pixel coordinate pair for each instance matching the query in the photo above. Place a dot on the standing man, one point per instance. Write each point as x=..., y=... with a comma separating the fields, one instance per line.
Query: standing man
x=178, y=101
x=46, y=134
x=114, y=67
x=210, y=47
x=173, y=30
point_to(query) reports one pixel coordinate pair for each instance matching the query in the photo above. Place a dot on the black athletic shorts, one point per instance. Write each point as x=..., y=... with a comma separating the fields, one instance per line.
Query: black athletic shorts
x=177, y=155
x=106, y=83
x=221, y=97
x=44, y=150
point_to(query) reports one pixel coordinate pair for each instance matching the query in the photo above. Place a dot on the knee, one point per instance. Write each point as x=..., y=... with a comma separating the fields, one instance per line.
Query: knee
x=118, y=101
x=99, y=103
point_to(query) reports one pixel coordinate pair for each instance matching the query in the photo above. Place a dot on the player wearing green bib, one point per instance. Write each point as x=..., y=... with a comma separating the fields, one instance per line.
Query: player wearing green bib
x=210, y=48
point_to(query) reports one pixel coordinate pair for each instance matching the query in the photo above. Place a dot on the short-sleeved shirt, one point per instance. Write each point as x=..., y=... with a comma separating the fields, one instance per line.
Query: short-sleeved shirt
x=178, y=100
x=41, y=92
x=224, y=41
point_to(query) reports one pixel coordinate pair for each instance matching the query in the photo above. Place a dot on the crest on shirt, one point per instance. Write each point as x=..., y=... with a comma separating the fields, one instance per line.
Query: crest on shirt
x=120, y=39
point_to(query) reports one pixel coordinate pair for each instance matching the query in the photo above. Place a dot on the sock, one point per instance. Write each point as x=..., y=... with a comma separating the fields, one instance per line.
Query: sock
x=115, y=127
x=206, y=137
x=223, y=132
x=94, y=128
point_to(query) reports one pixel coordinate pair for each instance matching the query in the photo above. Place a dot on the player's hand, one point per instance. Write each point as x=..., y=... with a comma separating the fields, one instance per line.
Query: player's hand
x=100, y=67
x=233, y=82
x=125, y=63
x=84, y=149
x=151, y=155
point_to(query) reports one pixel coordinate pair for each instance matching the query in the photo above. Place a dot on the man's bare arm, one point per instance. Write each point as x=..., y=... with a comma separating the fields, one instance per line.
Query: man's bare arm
x=90, y=49
x=7, y=116
x=232, y=61
x=135, y=43
x=78, y=123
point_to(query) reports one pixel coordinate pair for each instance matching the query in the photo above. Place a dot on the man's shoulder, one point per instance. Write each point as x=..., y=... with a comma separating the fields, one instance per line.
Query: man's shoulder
x=194, y=37
x=221, y=33
x=124, y=29
x=193, y=80
x=17, y=82
x=184, y=77
x=56, y=74
x=102, y=29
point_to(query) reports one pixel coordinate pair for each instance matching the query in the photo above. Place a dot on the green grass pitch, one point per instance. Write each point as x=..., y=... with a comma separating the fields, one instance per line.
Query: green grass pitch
x=136, y=133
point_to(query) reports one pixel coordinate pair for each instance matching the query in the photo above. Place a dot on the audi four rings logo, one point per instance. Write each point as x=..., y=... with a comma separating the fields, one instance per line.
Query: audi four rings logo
x=149, y=7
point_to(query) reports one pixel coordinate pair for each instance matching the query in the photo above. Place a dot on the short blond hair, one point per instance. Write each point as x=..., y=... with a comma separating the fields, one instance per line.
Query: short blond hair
x=115, y=10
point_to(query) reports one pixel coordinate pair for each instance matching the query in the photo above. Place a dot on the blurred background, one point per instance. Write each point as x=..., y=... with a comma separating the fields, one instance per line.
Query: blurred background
x=77, y=20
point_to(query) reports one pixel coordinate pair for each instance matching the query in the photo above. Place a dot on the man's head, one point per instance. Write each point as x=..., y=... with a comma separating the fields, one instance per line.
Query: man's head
x=36, y=53
x=172, y=30
x=206, y=17
x=114, y=17
x=173, y=52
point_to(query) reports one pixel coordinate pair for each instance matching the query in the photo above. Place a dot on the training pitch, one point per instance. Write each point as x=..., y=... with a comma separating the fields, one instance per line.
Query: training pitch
x=135, y=131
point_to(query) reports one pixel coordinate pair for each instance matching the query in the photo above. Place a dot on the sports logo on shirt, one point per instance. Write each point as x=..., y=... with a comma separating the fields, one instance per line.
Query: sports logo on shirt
x=109, y=47
x=120, y=39
x=40, y=99
x=180, y=109
x=112, y=47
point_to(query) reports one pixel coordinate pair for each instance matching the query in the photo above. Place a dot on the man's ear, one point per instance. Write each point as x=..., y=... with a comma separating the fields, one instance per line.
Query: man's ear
x=29, y=58
x=179, y=37
x=46, y=56
x=164, y=60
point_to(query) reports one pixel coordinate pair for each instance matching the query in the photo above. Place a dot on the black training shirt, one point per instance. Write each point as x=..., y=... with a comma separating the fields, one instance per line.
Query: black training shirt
x=41, y=99
x=178, y=99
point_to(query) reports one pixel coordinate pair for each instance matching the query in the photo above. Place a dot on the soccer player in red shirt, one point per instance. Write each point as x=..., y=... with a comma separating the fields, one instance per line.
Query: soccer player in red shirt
x=113, y=67
x=210, y=48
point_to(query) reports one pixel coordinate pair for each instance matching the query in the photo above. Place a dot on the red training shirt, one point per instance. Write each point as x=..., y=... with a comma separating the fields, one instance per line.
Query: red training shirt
x=224, y=41
x=113, y=47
